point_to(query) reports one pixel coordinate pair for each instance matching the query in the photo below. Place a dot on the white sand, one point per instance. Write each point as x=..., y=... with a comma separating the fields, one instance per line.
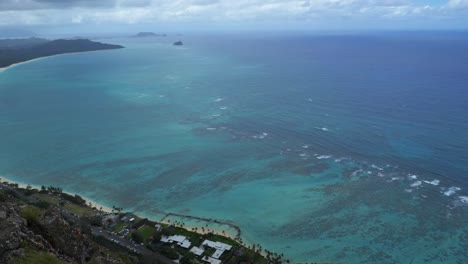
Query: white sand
x=19, y=63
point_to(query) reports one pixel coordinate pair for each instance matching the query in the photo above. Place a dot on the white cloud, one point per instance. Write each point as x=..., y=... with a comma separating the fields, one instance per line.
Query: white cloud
x=229, y=11
x=458, y=4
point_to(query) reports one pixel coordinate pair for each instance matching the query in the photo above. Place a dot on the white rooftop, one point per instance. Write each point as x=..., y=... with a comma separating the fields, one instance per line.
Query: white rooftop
x=216, y=245
x=184, y=244
x=177, y=238
x=197, y=251
x=180, y=240
x=217, y=253
x=220, y=248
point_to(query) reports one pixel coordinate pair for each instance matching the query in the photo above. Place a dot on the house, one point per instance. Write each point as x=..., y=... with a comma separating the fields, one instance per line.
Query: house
x=220, y=248
x=197, y=251
x=110, y=219
x=182, y=241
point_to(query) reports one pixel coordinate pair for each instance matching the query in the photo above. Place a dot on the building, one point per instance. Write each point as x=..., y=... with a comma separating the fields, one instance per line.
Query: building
x=220, y=248
x=197, y=251
x=182, y=241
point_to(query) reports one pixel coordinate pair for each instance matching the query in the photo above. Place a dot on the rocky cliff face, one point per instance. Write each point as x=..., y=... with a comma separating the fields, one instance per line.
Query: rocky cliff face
x=51, y=233
x=15, y=235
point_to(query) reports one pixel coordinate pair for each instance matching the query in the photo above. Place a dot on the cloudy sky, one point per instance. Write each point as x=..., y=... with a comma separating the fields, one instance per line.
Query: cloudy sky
x=242, y=14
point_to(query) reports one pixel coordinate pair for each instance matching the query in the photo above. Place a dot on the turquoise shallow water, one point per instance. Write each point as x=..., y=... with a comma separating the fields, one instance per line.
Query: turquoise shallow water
x=347, y=149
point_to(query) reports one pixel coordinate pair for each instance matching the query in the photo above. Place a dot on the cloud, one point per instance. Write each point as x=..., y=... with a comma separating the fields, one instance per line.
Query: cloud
x=458, y=4
x=9, y=5
x=224, y=11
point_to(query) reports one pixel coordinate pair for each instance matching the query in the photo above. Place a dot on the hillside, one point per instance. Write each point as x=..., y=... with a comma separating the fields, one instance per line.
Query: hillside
x=50, y=226
x=20, y=50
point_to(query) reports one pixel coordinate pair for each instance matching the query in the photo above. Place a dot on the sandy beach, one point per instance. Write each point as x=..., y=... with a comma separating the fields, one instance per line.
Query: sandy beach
x=19, y=63
x=88, y=201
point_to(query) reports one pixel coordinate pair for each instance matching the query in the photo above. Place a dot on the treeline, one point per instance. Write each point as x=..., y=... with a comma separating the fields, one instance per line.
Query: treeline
x=11, y=55
x=76, y=199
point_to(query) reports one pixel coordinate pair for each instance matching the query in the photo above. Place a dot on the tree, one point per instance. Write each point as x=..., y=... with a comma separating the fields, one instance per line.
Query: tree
x=188, y=258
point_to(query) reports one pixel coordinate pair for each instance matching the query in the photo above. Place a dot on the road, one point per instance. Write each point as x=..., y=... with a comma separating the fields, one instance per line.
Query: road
x=129, y=244
x=98, y=231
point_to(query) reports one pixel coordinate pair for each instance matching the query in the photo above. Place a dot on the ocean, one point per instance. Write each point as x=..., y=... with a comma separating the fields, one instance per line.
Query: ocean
x=343, y=148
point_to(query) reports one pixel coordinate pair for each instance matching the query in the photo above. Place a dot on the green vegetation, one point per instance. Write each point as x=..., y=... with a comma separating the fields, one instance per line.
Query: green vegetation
x=143, y=233
x=76, y=199
x=87, y=219
x=35, y=257
x=16, y=54
x=79, y=210
x=118, y=227
x=31, y=214
x=169, y=252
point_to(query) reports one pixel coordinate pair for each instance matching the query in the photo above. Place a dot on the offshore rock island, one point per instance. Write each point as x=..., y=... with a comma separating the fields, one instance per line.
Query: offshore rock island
x=13, y=51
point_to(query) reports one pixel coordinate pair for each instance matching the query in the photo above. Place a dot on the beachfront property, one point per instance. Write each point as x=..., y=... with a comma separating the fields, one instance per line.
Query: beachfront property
x=182, y=241
x=197, y=251
x=219, y=247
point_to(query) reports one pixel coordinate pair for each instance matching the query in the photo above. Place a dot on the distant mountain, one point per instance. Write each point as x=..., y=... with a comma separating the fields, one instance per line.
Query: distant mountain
x=149, y=34
x=178, y=43
x=21, y=43
x=29, y=49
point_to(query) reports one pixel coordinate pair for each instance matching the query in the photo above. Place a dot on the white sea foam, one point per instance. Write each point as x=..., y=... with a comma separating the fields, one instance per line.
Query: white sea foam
x=408, y=190
x=463, y=199
x=310, y=100
x=261, y=136
x=434, y=182
x=451, y=191
x=162, y=96
x=223, y=108
x=412, y=177
x=338, y=160
x=376, y=167
x=325, y=129
x=356, y=172
x=216, y=115
x=395, y=178
x=324, y=157
x=416, y=184
x=211, y=128
x=305, y=146
x=380, y=174
x=219, y=99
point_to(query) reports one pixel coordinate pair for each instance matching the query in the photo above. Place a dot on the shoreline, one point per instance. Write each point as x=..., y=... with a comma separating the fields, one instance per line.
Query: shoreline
x=20, y=63
x=40, y=58
x=88, y=201
x=109, y=210
x=188, y=227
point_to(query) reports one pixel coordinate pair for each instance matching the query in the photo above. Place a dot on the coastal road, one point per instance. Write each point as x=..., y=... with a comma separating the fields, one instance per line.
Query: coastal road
x=98, y=231
x=129, y=244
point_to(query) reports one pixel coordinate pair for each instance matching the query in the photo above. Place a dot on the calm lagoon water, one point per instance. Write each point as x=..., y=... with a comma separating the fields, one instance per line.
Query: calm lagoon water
x=327, y=148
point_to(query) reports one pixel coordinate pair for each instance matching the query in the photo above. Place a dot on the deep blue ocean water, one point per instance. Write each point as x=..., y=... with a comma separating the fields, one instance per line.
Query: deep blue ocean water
x=347, y=148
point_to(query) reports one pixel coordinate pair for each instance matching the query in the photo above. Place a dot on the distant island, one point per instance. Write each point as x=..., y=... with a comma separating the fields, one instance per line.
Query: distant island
x=149, y=34
x=178, y=43
x=13, y=51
